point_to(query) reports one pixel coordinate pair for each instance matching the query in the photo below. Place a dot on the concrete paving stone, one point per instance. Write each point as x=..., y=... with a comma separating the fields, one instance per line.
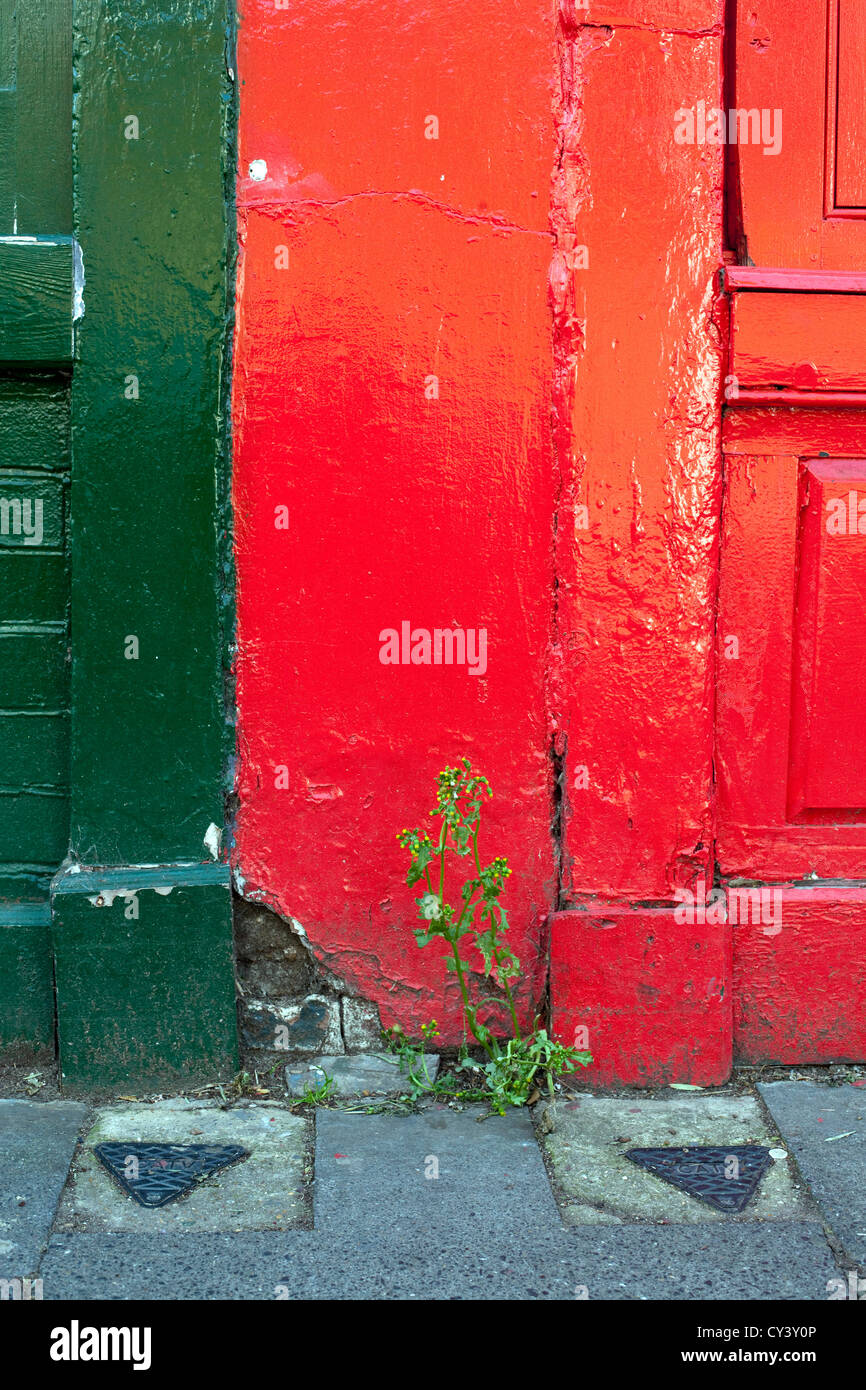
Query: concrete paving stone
x=748, y=1261
x=365, y=1074
x=598, y=1183
x=262, y=1192
x=37, y=1141
x=441, y=1168
x=811, y=1117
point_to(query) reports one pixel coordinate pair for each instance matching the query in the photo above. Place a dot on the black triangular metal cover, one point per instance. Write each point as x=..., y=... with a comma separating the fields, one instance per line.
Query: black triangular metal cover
x=161, y=1173
x=700, y=1171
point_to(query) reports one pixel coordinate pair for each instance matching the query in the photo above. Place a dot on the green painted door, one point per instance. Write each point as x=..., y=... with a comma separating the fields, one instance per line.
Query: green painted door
x=116, y=229
x=36, y=329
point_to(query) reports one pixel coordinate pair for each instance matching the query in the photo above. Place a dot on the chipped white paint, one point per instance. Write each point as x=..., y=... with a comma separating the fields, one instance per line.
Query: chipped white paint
x=77, y=282
x=212, y=837
x=296, y=927
x=110, y=895
x=258, y=170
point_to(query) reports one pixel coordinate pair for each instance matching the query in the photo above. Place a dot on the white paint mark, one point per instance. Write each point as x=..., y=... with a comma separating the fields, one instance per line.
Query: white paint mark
x=77, y=282
x=296, y=926
x=212, y=837
x=258, y=170
x=108, y=896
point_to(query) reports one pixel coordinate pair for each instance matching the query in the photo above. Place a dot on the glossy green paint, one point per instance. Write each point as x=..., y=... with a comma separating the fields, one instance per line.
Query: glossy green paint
x=36, y=281
x=35, y=102
x=153, y=224
x=26, y=982
x=145, y=983
x=148, y=998
x=36, y=300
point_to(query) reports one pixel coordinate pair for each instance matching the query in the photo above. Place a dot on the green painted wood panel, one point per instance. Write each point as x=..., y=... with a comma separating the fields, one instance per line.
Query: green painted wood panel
x=152, y=220
x=33, y=667
x=26, y=983
x=8, y=109
x=35, y=300
x=150, y=1000
x=31, y=511
x=34, y=751
x=35, y=116
x=34, y=827
x=36, y=285
x=34, y=421
x=34, y=587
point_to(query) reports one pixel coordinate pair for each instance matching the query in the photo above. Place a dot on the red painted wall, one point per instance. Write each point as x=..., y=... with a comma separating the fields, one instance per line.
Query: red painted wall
x=550, y=260
x=408, y=258
x=480, y=351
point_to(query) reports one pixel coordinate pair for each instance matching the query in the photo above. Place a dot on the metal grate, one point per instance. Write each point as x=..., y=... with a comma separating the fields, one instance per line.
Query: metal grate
x=155, y=1174
x=724, y=1178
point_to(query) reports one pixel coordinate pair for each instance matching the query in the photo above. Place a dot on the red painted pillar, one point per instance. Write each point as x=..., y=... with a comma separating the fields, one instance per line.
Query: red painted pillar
x=637, y=555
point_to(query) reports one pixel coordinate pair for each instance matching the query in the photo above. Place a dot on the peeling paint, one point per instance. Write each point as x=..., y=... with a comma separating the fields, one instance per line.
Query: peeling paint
x=77, y=282
x=212, y=840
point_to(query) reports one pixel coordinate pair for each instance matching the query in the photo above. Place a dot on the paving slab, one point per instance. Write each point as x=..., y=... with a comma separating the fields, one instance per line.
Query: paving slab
x=598, y=1185
x=746, y=1261
x=365, y=1074
x=439, y=1169
x=262, y=1192
x=825, y=1127
x=37, y=1141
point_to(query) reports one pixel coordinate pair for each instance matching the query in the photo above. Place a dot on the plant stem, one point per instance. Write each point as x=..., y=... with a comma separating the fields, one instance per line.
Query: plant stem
x=468, y=1011
x=510, y=997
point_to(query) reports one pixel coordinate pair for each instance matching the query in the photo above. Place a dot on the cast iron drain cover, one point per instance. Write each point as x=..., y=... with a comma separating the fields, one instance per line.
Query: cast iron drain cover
x=723, y=1178
x=154, y=1174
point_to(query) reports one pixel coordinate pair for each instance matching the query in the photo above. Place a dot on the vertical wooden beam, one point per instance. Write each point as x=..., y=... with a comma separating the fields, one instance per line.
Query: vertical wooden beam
x=154, y=111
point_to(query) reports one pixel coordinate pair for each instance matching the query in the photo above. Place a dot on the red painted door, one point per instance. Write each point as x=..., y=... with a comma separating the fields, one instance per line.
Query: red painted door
x=791, y=720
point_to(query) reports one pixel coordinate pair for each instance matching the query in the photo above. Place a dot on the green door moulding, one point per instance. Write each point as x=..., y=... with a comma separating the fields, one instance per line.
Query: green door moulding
x=141, y=910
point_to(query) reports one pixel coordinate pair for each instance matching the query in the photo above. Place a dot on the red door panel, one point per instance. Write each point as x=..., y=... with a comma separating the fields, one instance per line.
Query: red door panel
x=828, y=735
x=804, y=68
x=811, y=342
x=850, y=104
x=790, y=671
